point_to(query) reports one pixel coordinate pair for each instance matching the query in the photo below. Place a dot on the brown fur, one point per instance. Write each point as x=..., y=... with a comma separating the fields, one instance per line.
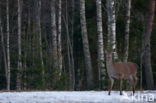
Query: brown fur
x=124, y=70
x=121, y=71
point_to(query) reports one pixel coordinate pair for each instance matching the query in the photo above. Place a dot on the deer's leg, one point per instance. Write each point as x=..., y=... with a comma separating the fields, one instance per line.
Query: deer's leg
x=133, y=87
x=120, y=86
x=134, y=83
x=133, y=90
x=111, y=85
x=131, y=81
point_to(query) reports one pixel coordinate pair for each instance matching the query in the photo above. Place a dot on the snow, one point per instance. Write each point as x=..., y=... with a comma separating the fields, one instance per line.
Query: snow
x=77, y=97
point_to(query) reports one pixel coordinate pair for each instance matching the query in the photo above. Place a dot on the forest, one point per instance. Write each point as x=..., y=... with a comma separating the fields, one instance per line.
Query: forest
x=64, y=44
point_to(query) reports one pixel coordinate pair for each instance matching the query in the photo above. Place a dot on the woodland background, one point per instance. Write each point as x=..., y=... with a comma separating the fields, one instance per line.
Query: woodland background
x=43, y=43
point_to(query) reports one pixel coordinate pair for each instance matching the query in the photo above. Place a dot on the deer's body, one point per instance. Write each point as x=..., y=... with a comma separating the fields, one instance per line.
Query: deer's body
x=121, y=71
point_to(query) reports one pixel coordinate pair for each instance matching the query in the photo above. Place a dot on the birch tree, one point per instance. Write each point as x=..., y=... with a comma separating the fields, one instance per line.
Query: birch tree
x=59, y=36
x=101, y=66
x=19, y=47
x=126, y=42
x=87, y=56
x=146, y=59
x=54, y=33
x=110, y=4
x=8, y=45
x=54, y=41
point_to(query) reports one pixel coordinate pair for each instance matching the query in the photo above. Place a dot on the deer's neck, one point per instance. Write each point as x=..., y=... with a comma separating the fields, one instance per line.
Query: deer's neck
x=109, y=63
x=110, y=68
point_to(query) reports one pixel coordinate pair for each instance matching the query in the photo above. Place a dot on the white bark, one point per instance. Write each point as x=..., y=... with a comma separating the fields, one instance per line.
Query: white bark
x=101, y=65
x=54, y=34
x=112, y=27
x=59, y=37
x=128, y=14
x=54, y=43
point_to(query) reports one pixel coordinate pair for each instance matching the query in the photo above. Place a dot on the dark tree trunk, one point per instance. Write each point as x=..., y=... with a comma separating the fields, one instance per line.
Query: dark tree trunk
x=39, y=31
x=87, y=55
x=8, y=45
x=146, y=45
x=19, y=47
x=4, y=51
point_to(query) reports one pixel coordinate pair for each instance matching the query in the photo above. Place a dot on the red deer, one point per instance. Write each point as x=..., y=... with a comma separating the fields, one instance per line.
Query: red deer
x=121, y=71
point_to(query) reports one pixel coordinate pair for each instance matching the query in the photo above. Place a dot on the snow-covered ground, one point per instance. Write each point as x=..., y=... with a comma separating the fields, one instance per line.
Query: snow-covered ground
x=77, y=97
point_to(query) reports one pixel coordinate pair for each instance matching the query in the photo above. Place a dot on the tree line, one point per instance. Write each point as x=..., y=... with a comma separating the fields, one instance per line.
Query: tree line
x=62, y=44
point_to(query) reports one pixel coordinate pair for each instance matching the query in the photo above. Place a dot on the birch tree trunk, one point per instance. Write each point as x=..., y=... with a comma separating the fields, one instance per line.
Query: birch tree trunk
x=54, y=33
x=101, y=65
x=8, y=45
x=4, y=51
x=146, y=44
x=112, y=27
x=59, y=36
x=127, y=30
x=126, y=42
x=87, y=55
x=19, y=47
x=54, y=41
x=39, y=31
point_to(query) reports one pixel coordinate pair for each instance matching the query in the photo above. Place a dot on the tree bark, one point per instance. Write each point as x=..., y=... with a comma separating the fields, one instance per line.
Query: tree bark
x=59, y=37
x=112, y=27
x=19, y=47
x=86, y=51
x=71, y=45
x=101, y=65
x=39, y=31
x=69, y=51
x=4, y=51
x=8, y=46
x=126, y=42
x=146, y=45
x=54, y=33
x=54, y=42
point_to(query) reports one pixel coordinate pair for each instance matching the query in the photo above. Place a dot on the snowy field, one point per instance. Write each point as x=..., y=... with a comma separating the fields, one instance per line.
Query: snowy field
x=77, y=97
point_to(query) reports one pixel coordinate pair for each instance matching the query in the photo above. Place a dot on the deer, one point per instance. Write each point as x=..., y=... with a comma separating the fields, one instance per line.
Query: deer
x=121, y=71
